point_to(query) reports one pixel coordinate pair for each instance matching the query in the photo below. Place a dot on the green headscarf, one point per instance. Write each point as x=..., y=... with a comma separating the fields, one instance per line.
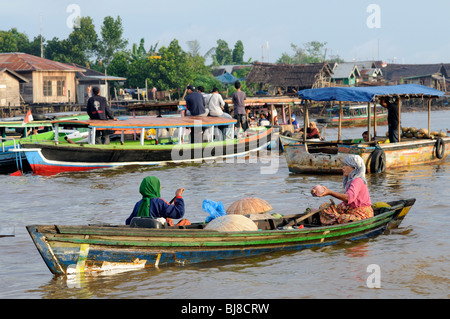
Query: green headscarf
x=150, y=188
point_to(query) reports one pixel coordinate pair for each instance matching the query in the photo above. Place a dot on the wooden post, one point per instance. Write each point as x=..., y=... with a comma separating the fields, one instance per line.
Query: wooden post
x=290, y=114
x=374, y=119
x=429, y=117
x=271, y=114
x=305, y=121
x=368, y=121
x=340, y=120
x=399, y=119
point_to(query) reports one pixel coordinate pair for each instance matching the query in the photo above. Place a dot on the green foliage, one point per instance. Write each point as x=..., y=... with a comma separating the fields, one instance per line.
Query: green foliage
x=238, y=53
x=208, y=82
x=312, y=52
x=112, y=41
x=244, y=88
x=223, y=53
x=14, y=41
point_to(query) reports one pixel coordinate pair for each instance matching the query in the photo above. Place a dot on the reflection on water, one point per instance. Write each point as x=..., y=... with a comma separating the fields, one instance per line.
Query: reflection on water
x=413, y=259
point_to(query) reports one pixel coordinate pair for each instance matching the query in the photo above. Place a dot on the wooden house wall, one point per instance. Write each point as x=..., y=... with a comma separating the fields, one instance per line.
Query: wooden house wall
x=68, y=94
x=9, y=90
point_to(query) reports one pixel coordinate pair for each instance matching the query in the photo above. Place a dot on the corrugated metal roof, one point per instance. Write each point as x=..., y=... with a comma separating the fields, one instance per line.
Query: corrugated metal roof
x=22, y=62
x=19, y=77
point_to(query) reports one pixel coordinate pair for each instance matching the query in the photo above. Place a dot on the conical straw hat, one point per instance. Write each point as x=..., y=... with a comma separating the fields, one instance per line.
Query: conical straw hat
x=249, y=205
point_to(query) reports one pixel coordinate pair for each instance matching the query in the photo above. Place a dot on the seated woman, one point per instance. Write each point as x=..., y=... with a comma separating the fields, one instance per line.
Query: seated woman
x=356, y=203
x=151, y=205
x=312, y=131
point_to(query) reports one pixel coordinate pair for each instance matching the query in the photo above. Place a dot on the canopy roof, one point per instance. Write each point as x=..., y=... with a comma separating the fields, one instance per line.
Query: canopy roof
x=367, y=94
x=150, y=122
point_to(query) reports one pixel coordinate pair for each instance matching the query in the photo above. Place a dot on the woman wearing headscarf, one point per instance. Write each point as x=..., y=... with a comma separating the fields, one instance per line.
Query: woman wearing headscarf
x=152, y=205
x=312, y=131
x=356, y=203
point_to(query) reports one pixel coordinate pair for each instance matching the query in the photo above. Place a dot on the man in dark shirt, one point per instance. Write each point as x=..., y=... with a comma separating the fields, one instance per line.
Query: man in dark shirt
x=195, y=102
x=98, y=109
x=393, y=119
x=195, y=105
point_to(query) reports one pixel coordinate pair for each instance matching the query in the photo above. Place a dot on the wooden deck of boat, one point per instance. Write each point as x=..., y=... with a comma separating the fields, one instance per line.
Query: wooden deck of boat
x=152, y=122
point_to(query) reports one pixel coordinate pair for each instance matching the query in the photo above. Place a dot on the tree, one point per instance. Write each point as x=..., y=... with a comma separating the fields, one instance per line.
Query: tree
x=313, y=52
x=194, y=47
x=238, y=53
x=168, y=70
x=111, y=32
x=84, y=41
x=7, y=42
x=223, y=53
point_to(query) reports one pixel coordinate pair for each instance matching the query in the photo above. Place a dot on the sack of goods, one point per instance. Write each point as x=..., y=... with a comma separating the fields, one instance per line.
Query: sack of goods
x=229, y=223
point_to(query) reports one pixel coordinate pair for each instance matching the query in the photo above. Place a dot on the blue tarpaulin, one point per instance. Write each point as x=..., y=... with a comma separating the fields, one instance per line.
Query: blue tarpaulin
x=367, y=94
x=227, y=78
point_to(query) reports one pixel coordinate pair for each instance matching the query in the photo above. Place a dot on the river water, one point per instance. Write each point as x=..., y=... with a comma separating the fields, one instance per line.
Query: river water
x=412, y=261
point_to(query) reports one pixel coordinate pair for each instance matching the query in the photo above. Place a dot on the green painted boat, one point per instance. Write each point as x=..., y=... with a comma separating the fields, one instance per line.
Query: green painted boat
x=15, y=132
x=70, y=249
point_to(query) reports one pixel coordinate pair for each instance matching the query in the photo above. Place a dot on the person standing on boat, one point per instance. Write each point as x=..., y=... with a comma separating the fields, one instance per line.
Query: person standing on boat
x=240, y=115
x=393, y=119
x=152, y=205
x=356, y=203
x=98, y=109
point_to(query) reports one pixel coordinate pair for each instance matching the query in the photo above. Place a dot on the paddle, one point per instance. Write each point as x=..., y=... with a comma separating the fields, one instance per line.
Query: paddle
x=171, y=201
x=303, y=217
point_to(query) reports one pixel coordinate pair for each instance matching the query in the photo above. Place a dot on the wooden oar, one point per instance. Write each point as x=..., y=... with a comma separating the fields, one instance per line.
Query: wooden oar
x=303, y=217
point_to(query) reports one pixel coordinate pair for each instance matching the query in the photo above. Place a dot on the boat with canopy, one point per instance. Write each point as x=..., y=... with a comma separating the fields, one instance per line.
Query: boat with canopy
x=303, y=156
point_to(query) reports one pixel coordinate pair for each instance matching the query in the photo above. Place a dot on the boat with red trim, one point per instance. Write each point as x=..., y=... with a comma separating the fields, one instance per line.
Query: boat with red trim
x=143, y=140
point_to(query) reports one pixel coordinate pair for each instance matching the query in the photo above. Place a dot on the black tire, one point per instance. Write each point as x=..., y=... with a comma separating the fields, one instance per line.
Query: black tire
x=440, y=148
x=287, y=133
x=378, y=161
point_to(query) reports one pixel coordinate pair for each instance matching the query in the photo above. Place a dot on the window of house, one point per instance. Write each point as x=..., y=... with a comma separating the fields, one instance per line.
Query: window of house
x=47, y=88
x=60, y=88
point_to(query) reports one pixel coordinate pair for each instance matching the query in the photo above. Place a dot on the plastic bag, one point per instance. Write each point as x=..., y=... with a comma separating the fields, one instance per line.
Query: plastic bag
x=214, y=209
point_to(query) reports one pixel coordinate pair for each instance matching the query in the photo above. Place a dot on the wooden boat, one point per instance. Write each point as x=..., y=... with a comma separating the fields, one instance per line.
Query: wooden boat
x=51, y=157
x=353, y=115
x=94, y=248
x=327, y=156
x=11, y=158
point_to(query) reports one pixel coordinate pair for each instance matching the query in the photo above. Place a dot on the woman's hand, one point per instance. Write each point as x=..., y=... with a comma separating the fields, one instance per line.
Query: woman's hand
x=325, y=192
x=179, y=192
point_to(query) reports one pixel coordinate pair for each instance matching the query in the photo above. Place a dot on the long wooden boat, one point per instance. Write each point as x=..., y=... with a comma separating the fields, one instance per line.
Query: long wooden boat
x=352, y=115
x=50, y=157
x=11, y=159
x=327, y=156
x=94, y=248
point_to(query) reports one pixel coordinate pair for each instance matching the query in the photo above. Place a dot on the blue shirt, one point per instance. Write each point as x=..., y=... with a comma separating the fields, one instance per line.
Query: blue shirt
x=160, y=208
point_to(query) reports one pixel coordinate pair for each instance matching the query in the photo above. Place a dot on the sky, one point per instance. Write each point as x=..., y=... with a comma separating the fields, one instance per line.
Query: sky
x=394, y=31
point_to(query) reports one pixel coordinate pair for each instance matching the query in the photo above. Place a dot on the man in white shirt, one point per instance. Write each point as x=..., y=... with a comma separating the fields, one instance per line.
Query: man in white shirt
x=215, y=104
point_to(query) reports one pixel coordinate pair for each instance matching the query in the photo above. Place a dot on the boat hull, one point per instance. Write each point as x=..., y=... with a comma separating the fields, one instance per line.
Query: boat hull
x=72, y=249
x=328, y=157
x=50, y=159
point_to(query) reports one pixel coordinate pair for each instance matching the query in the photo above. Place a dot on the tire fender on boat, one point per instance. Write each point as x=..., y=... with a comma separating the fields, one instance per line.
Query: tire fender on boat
x=378, y=161
x=287, y=133
x=440, y=148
